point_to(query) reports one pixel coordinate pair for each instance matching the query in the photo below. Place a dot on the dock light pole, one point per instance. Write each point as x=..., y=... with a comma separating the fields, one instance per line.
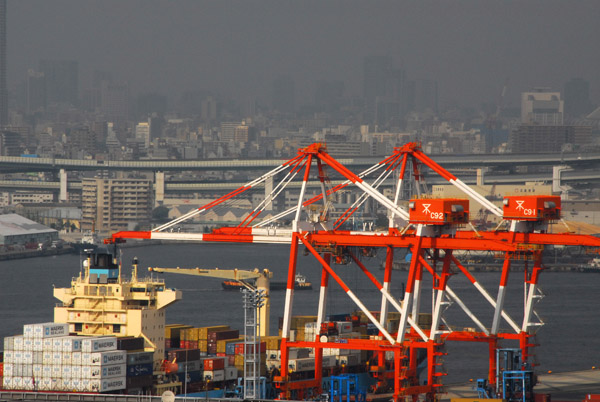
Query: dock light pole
x=253, y=300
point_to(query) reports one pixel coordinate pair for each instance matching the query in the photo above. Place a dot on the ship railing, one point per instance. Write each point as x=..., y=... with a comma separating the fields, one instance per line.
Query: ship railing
x=88, y=397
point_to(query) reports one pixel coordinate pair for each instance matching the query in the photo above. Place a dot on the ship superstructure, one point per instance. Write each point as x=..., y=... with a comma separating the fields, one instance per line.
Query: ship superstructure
x=101, y=301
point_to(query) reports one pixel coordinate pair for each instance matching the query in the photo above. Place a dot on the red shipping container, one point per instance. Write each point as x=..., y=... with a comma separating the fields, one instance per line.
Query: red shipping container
x=214, y=364
x=168, y=343
x=231, y=360
x=193, y=344
x=226, y=334
x=239, y=348
x=221, y=354
x=1, y=369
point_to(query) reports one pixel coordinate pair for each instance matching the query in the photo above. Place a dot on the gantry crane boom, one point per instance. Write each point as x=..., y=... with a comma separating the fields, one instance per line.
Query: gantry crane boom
x=240, y=275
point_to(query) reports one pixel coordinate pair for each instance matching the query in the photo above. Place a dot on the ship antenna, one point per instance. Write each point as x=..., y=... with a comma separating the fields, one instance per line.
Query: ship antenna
x=134, y=271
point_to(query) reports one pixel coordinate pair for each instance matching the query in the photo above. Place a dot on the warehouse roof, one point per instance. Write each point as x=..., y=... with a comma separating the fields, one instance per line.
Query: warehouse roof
x=13, y=225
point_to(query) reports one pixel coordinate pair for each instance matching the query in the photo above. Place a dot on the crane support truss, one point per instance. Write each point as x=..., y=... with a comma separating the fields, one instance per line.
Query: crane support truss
x=434, y=248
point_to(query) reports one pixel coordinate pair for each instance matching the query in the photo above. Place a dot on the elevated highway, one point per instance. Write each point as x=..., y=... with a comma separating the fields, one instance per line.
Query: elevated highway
x=570, y=177
x=29, y=164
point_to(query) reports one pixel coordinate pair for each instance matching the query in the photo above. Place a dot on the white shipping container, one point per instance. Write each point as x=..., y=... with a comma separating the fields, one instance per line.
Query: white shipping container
x=38, y=357
x=86, y=372
x=45, y=384
x=28, y=383
x=56, y=357
x=26, y=370
x=57, y=344
x=66, y=385
x=298, y=353
x=46, y=371
x=9, y=343
x=273, y=364
x=9, y=356
x=214, y=375
x=56, y=371
x=71, y=344
x=76, y=384
x=99, y=344
x=304, y=364
x=110, y=384
x=9, y=369
x=38, y=371
x=38, y=345
x=66, y=359
x=114, y=370
x=47, y=357
x=86, y=359
x=28, y=330
x=47, y=344
x=231, y=373
x=28, y=344
x=76, y=358
x=344, y=327
x=86, y=385
x=348, y=361
x=66, y=372
x=17, y=382
x=106, y=358
x=18, y=342
x=7, y=382
x=50, y=330
x=76, y=372
x=194, y=365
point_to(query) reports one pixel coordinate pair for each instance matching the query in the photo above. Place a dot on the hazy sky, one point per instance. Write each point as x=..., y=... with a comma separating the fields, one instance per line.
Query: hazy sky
x=238, y=47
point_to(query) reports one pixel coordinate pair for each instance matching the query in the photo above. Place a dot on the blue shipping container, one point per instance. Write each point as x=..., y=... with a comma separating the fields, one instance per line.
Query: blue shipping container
x=137, y=370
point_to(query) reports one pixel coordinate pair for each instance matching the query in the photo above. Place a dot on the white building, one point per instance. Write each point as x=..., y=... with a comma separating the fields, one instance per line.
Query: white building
x=540, y=106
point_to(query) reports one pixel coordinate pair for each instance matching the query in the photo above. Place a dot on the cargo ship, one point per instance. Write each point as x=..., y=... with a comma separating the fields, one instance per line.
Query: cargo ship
x=109, y=336
x=300, y=283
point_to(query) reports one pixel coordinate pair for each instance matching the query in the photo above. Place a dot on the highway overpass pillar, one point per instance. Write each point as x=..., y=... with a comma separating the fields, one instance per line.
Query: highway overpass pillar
x=268, y=194
x=557, y=185
x=159, y=188
x=63, y=195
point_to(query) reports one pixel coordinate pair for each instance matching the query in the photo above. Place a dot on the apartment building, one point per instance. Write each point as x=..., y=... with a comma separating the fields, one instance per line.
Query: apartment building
x=115, y=204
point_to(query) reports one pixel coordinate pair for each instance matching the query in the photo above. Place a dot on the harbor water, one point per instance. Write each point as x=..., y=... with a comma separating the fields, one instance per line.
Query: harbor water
x=568, y=340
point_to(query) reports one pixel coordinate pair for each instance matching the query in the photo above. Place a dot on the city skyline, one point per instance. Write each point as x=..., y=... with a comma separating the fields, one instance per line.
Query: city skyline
x=239, y=49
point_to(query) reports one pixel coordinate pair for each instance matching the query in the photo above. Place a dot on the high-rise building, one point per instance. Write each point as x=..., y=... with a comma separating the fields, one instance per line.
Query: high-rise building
x=114, y=101
x=284, y=94
x=36, y=91
x=115, y=204
x=3, y=88
x=384, y=90
x=577, y=98
x=538, y=138
x=541, y=106
x=62, y=81
x=81, y=142
x=142, y=133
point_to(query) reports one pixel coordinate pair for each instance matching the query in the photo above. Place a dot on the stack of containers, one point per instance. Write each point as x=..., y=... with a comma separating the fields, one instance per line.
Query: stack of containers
x=173, y=335
x=139, y=372
x=189, y=365
x=45, y=358
x=214, y=369
x=220, y=335
x=103, y=367
x=203, y=335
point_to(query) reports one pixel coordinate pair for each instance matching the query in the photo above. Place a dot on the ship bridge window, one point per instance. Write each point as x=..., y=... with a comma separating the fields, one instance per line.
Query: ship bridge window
x=116, y=328
x=138, y=289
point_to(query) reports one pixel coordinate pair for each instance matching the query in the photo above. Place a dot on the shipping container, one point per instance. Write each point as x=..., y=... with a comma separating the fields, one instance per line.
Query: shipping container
x=183, y=355
x=110, y=384
x=110, y=371
x=45, y=330
x=139, y=370
x=140, y=358
x=214, y=375
x=130, y=343
x=107, y=358
x=214, y=363
x=102, y=344
x=139, y=382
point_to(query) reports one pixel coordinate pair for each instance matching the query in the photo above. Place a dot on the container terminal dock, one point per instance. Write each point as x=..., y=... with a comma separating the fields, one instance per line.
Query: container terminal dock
x=569, y=386
x=394, y=353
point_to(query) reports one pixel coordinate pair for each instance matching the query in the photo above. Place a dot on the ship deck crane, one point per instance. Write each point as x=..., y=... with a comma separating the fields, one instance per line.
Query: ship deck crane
x=262, y=280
